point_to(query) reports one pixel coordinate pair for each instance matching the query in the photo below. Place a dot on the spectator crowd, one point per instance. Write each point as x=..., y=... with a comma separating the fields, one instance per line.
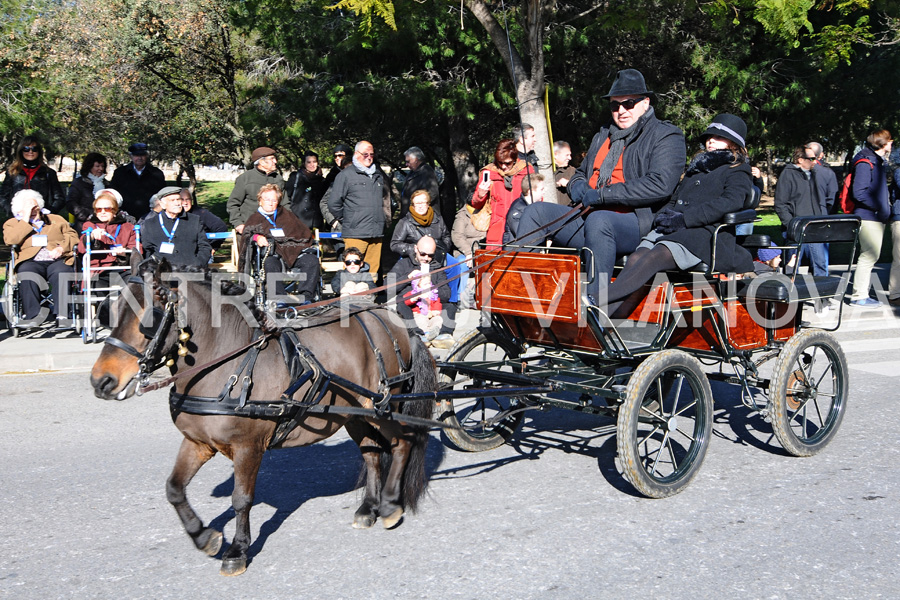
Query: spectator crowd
x=643, y=198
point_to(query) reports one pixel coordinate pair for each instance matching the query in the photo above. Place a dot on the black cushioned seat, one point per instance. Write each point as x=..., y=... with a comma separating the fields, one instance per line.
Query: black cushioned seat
x=776, y=288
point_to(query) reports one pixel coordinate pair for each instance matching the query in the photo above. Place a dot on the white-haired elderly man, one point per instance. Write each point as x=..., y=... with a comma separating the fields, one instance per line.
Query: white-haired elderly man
x=242, y=202
x=46, y=246
x=360, y=201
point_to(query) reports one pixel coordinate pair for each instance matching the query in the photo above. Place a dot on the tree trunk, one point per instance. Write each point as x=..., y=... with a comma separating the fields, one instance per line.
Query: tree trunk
x=465, y=170
x=528, y=79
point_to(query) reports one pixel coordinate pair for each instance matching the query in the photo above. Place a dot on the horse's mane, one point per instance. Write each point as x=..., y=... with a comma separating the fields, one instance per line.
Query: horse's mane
x=226, y=288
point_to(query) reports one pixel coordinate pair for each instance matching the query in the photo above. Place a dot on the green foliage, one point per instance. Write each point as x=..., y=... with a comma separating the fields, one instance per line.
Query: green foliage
x=784, y=19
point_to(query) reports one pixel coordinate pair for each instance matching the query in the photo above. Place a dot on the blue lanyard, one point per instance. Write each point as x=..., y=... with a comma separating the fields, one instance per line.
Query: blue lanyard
x=119, y=227
x=266, y=217
x=166, y=231
x=39, y=229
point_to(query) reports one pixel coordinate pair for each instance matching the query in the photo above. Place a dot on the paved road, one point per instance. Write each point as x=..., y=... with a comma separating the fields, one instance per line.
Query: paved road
x=84, y=512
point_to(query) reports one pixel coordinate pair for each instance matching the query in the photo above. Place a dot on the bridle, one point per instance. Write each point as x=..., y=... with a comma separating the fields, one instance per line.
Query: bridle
x=155, y=332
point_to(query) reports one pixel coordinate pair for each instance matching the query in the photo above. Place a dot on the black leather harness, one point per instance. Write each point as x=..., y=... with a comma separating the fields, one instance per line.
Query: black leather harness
x=304, y=369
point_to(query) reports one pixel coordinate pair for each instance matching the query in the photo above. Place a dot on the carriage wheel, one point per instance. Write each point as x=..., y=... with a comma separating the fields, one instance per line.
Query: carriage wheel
x=665, y=424
x=808, y=392
x=474, y=416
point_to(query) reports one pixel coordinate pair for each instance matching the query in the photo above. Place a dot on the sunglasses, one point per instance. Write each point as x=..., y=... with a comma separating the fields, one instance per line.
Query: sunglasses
x=425, y=254
x=101, y=209
x=352, y=261
x=339, y=155
x=628, y=104
x=366, y=154
x=30, y=148
x=810, y=158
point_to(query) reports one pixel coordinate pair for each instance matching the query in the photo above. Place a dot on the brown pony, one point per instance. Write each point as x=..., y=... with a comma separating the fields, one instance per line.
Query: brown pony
x=207, y=325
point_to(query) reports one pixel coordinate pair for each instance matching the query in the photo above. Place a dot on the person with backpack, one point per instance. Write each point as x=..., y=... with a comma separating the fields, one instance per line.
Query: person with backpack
x=869, y=191
x=894, y=280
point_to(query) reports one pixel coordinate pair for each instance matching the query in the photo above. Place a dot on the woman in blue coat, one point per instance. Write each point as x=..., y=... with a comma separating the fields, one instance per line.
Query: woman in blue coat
x=716, y=182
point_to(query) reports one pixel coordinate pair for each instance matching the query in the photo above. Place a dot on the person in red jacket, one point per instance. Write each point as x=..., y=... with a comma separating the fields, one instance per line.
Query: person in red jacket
x=499, y=184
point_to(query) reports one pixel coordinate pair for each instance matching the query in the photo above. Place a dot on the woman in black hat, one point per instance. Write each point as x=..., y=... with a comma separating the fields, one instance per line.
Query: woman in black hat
x=716, y=182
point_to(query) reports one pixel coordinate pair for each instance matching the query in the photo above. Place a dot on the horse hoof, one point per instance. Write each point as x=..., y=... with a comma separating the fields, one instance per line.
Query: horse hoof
x=363, y=521
x=214, y=544
x=393, y=519
x=233, y=566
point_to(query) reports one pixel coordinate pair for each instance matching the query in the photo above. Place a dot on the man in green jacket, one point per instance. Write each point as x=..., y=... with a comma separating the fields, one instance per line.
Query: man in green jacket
x=242, y=203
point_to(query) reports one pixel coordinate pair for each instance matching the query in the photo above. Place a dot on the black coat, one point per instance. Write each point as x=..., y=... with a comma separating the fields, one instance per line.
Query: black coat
x=406, y=265
x=797, y=195
x=191, y=246
x=704, y=198
x=80, y=199
x=512, y=219
x=44, y=182
x=305, y=191
x=408, y=232
x=137, y=189
x=652, y=162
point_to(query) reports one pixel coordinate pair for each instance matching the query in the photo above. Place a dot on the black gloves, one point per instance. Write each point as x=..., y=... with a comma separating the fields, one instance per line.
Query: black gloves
x=668, y=221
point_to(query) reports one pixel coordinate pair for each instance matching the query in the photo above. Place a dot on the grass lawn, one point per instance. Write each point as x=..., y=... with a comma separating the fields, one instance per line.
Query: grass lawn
x=213, y=195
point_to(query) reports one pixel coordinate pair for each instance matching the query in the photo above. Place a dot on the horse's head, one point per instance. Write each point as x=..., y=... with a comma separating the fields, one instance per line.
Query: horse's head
x=143, y=333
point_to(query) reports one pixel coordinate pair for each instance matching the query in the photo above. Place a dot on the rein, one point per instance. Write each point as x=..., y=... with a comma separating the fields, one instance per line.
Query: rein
x=575, y=211
x=144, y=358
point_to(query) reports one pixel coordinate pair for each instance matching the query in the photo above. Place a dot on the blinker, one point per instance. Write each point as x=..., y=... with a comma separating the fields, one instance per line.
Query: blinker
x=150, y=330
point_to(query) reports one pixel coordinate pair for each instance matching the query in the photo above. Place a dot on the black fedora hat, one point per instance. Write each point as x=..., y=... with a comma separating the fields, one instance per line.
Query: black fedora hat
x=628, y=82
x=729, y=127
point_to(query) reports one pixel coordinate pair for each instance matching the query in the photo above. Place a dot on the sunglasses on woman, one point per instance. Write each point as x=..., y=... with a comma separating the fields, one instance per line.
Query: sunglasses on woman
x=29, y=148
x=101, y=209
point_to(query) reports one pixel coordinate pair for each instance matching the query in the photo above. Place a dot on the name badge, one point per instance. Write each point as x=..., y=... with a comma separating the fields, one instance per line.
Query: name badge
x=166, y=248
x=39, y=240
x=277, y=232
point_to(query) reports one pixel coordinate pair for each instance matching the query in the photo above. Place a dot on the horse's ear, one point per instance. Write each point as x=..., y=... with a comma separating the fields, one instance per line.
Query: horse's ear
x=135, y=261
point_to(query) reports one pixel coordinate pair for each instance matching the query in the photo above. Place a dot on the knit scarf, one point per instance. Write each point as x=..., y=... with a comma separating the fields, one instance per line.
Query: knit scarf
x=618, y=138
x=707, y=162
x=423, y=220
x=97, y=181
x=510, y=174
x=370, y=170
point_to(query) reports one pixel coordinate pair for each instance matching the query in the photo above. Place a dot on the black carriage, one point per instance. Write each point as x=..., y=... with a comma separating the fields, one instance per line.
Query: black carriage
x=542, y=345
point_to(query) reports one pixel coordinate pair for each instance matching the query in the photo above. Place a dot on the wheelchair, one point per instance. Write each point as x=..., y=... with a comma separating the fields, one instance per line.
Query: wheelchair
x=254, y=262
x=11, y=300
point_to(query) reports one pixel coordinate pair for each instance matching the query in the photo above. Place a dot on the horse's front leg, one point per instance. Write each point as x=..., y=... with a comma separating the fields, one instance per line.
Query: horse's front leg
x=191, y=456
x=366, y=438
x=246, y=467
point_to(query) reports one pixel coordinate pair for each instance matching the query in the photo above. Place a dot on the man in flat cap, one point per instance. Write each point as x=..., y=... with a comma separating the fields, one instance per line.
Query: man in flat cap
x=137, y=181
x=242, y=201
x=175, y=234
x=632, y=167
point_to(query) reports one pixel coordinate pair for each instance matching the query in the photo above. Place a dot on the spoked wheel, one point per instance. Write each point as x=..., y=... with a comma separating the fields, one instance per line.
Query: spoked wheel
x=665, y=424
x=808, y=392
x=481, y=423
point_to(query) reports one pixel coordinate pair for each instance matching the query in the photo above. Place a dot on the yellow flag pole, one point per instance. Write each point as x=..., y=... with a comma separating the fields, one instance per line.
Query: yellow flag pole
x=549, y=126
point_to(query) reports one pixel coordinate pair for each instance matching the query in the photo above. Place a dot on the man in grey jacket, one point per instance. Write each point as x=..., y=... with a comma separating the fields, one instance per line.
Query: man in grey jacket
x=360, y=202
x=631, y=169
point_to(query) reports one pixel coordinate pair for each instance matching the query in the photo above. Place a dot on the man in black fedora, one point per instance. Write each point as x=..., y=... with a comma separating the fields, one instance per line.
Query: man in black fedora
x=632, y=167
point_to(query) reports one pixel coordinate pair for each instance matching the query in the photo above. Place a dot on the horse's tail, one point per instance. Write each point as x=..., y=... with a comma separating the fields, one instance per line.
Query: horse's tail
x=424, y=380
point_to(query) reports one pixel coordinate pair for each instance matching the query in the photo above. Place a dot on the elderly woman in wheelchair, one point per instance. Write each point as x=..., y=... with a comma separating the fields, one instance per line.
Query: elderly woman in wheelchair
x=274, y=238
x=717, y=181
x=43, y=251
